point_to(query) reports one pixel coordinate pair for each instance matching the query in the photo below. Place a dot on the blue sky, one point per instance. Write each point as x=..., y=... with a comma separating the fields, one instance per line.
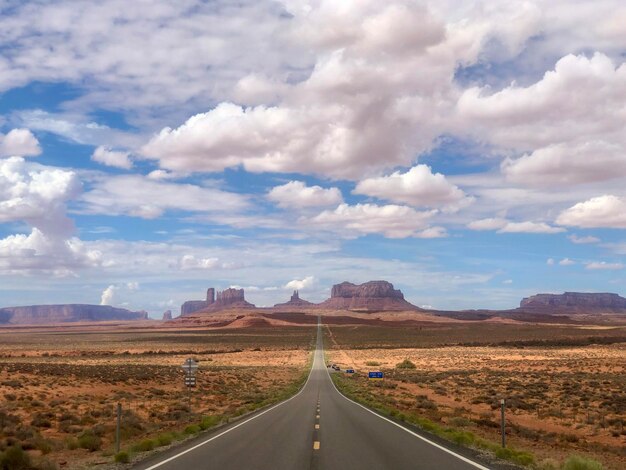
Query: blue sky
x=472, y=153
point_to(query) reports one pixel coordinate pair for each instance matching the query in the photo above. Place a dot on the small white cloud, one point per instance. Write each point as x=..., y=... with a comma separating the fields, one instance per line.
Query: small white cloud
x=188, y=262
x=550, y=261
x=583, y=240
x=19, y=143
x=487, y=224
x=298, y=195
x=300, y=284
x=417, y=187
x=113, y=158
x=507, y=281
x=108, y=295
x=606, y=211
x=566, y=262
x=603, y=265
x=505, y=226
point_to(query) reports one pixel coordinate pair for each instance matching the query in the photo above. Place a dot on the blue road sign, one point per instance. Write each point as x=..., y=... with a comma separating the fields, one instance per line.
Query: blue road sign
x=349, y=371
x=375, y=375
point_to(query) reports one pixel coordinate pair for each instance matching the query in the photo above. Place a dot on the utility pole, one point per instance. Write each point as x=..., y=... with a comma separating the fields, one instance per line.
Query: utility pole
x=117, y=430
x=502, y=422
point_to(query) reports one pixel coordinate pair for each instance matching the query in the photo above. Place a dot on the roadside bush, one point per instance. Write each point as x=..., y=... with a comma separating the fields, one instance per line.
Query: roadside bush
x=576, y=462
x=88, y=440
x=14, y=458
x=192, y=429
x=164, y=439
x=406, y=364
x=122, y=457
x=209, y=421
x=144, y=446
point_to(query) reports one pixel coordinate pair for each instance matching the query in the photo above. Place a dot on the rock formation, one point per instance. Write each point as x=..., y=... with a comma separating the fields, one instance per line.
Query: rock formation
x=576, y=302
x=370, y=296
x=167, y=315
x=195, y=305
x=47, y=314
x=295, y=301
x=228, y=298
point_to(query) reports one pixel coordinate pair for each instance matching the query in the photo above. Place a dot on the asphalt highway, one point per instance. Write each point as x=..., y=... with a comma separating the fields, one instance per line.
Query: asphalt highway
x=316, y=429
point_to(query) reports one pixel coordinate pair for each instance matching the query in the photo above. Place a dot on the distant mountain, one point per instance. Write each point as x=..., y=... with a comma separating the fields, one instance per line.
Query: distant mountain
x=574, y=302
x=369, y=296
x=296, y=301
x=48, y=314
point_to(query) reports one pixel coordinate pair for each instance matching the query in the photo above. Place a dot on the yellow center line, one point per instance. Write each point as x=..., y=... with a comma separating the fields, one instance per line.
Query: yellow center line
x=317, y=426
x=317, y=416
x=316, y=445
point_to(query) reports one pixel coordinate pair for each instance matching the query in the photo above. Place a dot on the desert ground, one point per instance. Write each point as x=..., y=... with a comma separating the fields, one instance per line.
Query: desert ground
x=565, y=386
x=60, y=386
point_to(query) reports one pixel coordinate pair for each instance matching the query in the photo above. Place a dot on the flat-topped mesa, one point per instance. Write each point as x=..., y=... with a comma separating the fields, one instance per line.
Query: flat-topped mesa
x=64, y=313
x=167, y=315
x=192, y=306
x=370, y=296
x=575, y=301
x=295, y=301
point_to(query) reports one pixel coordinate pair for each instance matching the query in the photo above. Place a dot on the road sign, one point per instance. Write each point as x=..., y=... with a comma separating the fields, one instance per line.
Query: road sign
x=349, y=371
x=190, y=366
x=375, y=375
x=190, y=381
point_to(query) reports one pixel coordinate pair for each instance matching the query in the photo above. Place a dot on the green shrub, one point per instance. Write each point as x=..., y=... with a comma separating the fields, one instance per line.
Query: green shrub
x=192, y=429
x=576, y=462
x=209, y=421
x=406, y=364
x=144, y=446
x=164, y=439
x=88, y=440
x=122, y=457
x=372, y=363
x=71, y=443
x=14, y=458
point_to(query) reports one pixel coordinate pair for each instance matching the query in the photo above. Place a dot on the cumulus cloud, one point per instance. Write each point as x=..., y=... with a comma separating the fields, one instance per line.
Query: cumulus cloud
x=603, y=265
x=300, y=284
x=297, y=194
x=113, y=158
x=550, y=261
x=192, y=262
x=417, y=187
x=606, y=211
x=392, y=221
x=110, y=295
x=19, y=143
x=506, y=226
x=138, y=196
x=567, y=262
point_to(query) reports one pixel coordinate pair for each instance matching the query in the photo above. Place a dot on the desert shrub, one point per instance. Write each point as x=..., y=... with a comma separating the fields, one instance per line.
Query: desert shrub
x=41, y=420
x=144, y=446
x=209, y=421
x=46, y=464
x=517, y=456
x=406, y=364
x=122, y=457
x=576, y=462
x=462, y=438
x=192, y=429
x=372, y=363
x=71, y=443
x=164, y=439
x=88, y=440
x=14, y=458
x=548, y=464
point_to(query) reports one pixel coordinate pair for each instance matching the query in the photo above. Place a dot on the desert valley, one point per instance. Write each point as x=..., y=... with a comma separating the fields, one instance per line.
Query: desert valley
x=558, y=360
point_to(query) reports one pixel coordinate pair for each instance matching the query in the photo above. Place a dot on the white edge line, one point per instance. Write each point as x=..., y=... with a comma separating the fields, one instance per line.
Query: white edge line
x=465, y=459
x=240, y=424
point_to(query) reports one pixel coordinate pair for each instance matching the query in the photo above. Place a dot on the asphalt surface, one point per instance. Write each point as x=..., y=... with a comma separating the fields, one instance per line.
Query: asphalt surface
x=316, y=429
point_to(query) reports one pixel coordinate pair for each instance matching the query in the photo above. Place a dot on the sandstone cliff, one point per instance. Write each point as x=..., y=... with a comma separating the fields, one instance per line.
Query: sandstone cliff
x=370, y=296
x=195, y=305
x=576, y=302
x=47, y=314
x=167, y=315
x=228, y=298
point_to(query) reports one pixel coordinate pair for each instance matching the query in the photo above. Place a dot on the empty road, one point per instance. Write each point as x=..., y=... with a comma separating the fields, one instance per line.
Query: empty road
x=316, y=429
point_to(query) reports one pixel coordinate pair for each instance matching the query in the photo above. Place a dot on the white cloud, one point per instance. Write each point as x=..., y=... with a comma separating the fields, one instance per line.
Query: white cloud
x=506, y=226
x=603, y=265
x=300, y=284
x=606, y=211
x=108, y=295
x=19, y=143
x=111, y=295
x=507, y=281
x=138, y=196
x=417, y=187
x=191, y=262
x=362, y=219
x=566, y=262
x=583, y=240
x=298, y=195
x=530, y=227
x=113, y=158
x=550, y=261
